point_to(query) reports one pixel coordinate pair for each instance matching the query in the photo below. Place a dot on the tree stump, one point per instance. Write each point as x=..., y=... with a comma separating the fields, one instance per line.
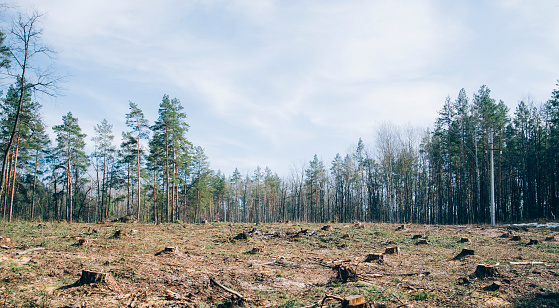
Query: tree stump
x=402, y=227
x=496, y=285
x=550, y=238
x=464, y=240
x=5, y=241
x=415, y=237
x=354, y=301
x=516, y=238
x=484, y=270
x=83, y=242
x=345, y=273
x=379, y=257
x=327, y=228
x=533, y=242
x=120, y=234
x=358, y=225
x=422, y=242
x=506, y=235
x=392, y=250
x=463, y=253
x=89, y=277
x=256, y=250
x=242, y=236
x=168, y=250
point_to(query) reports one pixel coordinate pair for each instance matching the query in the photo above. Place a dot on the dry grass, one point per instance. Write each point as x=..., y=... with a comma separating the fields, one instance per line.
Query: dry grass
x=277, y=266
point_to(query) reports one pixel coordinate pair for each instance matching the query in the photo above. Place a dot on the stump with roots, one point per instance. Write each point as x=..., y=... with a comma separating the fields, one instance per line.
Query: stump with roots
x=91, y=277
x=484, y=270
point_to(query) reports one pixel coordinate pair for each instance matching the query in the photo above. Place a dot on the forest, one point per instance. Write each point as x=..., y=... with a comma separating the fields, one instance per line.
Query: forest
x=441, y=175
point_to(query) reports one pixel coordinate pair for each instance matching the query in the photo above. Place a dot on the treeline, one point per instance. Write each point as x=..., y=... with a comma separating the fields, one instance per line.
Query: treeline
x=156, y=175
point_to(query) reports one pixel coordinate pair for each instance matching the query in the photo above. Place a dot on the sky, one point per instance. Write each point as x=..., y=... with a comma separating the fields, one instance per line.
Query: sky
x=272, y=83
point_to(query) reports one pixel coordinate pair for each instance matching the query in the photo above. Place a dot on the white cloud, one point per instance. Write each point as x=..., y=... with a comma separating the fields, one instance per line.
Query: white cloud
x=291, y=74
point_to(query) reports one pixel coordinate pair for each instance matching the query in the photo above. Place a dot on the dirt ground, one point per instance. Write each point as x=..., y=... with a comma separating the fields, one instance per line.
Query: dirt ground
x=275, y=265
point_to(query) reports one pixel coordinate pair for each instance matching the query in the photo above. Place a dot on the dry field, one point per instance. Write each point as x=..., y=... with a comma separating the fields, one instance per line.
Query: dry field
x=274, y=265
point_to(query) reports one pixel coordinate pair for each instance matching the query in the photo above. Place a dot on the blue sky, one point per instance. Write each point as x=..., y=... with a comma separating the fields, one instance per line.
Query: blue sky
x=272, y=83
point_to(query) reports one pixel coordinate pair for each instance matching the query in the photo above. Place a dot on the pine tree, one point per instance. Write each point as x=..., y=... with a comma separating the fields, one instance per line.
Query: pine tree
x=135, y=119
x=70, y=148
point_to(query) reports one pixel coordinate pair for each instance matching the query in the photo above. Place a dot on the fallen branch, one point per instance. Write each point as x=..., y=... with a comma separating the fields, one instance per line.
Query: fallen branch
x=29, y=250
x=332, y=297
x=227, y=289
x=525, y=263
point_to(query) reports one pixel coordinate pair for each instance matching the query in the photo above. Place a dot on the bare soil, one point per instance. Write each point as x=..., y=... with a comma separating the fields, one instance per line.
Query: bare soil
x=275, y=265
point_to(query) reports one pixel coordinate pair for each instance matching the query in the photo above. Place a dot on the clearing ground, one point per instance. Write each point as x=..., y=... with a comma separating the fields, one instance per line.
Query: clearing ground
x=279, y=265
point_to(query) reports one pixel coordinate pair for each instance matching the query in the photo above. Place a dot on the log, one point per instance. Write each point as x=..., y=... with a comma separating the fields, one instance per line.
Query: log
x=484, y=270
x=379, y=257
x=392, y=250
x=91, y=277
x=463, y=253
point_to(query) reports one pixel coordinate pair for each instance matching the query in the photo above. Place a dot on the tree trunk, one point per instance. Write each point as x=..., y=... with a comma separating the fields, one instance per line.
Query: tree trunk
x=14, y=178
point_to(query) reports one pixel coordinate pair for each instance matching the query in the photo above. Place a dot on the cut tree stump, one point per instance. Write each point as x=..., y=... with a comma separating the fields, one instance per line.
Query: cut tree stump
x=516, y=238
x=422, y=242
x=168, y=250
x=90, y=277
x=506, y=235
x=242, y=236
x=392, y=250
x=463, y=253
x=464, y=240
x=256, y=250
x=5, y=241
x=415, y=237
x=533, y=242
x=379, y=257
x=496, y=285
x=83, y=242
x=484, y=270
x=550, y=238
x=327, y=228
x=354, y=301
x=402, y=227
x=120, y=234
x=345, y=273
